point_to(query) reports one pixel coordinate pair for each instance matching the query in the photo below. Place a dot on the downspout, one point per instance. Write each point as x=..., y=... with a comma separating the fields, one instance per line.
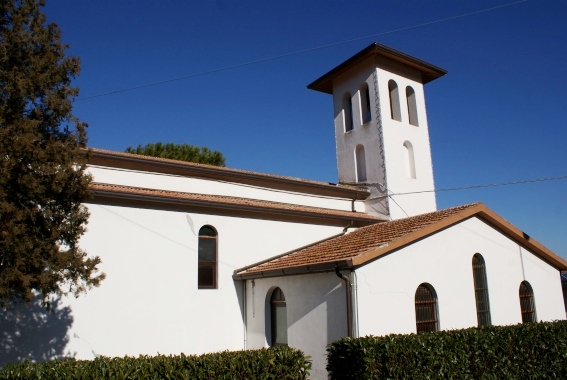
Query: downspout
x=348, y=300
x=244, y=314
x=353, y=209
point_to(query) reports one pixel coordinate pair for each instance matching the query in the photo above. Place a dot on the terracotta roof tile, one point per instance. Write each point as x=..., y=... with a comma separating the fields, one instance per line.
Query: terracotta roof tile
x=220, y=200
x=357, y=242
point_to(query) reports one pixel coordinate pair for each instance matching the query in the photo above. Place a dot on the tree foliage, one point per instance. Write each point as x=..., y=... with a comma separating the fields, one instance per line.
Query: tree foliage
x=182, y=152
x=42, y=161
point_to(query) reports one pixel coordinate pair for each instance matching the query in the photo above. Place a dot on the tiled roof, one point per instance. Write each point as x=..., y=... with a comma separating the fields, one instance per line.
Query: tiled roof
x=109, y=191
x=368, y=243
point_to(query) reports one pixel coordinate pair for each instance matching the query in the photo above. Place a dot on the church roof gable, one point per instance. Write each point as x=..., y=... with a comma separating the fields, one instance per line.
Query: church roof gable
x=367, y=244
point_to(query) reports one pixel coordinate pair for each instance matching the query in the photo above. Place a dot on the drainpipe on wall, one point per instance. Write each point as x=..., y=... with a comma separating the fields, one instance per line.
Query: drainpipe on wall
x=348, y=300
x=353, y=209
x=244, y=313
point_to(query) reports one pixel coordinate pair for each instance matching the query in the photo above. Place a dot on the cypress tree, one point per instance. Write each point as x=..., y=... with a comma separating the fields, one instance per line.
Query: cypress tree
x=42, y=162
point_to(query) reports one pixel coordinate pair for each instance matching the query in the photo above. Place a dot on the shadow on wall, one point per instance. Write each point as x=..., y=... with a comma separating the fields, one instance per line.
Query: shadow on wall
x=33, y=333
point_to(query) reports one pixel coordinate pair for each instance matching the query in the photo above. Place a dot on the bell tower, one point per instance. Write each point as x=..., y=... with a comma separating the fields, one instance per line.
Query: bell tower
x=381, y=130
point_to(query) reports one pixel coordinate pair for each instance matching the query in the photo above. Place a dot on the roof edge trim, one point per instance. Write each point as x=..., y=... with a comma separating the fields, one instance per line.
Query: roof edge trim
x=129, y=161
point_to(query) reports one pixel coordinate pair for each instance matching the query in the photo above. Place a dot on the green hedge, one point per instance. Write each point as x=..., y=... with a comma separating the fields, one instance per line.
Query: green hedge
x=525, y=351
x=273, y=363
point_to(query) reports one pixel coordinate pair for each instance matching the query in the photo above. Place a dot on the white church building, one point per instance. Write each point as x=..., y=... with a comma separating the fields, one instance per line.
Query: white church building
x=201, y=258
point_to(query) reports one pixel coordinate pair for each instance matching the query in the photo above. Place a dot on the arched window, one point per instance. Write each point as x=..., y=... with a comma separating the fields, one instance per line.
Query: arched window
x=409, y=159
x=207, y=272
x=426, y=314
x=412, y=106
x=360, y=164
x=279, y=318
x=394, y=101
x=481, y=291
x=365, y=103
x=527, y=304
x=347, y=110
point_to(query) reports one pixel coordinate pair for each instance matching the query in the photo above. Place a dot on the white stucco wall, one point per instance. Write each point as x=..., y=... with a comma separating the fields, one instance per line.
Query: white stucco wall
x=315, y=313
x=149, y=302
x=391, y=168
x=386, y=287
x=205, y=186
x=396, y=133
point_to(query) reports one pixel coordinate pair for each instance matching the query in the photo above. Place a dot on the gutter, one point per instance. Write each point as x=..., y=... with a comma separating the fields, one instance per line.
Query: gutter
x=348, y=300
x=325, y=267
x=104, y=196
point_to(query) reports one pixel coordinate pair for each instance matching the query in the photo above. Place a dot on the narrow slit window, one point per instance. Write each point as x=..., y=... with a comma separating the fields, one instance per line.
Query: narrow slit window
x=426, y=313
x=347, y=110
x=207, y=260
x=412, y=106
x=394, y=101
x=527, y=303
x=360, y=164
x=365, y=103
x=481, y=291
x=278, y=310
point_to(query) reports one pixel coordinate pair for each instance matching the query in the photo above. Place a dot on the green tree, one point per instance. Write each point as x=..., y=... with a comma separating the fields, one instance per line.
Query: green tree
x=42, y=161
x=182, y=152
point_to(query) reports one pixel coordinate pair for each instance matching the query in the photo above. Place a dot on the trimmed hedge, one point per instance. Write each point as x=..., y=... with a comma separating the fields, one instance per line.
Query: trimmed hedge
x=273, y=363
x=525, y=351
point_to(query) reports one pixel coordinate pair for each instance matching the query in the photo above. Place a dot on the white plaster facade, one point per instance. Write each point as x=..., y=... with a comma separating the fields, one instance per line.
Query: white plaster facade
x=383, y=137
x=145, y=221
x=150, y=302
x=315, y=314
x=387, y=286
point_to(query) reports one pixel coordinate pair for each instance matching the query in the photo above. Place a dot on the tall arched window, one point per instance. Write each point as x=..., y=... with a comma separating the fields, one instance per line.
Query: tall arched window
x=207, y=262
x=527, y=304
x=426, y=313
x=481, y=291
x=347, y=110
x=360, y=164
x=394, y=101
x=279, y=318
x=365, y=103
x=409, y=159
x=412, y=106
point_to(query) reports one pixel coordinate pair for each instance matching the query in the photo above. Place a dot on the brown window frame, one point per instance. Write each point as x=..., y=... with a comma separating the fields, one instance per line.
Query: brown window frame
x=426, y=308
x=481, y=291
x=527, y=303
x=277, y=300
x=207, y=264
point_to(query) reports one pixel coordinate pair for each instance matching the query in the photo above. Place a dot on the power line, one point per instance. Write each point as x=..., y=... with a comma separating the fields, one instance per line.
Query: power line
x=486, y=185
x=230, y=67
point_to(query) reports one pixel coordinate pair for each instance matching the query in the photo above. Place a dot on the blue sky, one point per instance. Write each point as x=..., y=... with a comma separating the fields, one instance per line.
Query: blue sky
x=499, y=115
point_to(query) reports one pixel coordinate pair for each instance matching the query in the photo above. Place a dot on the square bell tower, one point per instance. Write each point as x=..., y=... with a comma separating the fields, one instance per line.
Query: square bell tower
x=381, y=130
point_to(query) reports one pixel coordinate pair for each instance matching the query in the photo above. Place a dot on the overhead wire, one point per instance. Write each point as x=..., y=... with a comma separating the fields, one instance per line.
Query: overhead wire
x=485, y=185
x=303, y=51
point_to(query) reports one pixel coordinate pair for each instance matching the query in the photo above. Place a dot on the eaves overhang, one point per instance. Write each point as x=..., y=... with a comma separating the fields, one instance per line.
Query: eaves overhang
x=428, y=71
x=483, y=213
x=360, y=259
x=293, y=271
x=115, y=195
x=120, y=160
